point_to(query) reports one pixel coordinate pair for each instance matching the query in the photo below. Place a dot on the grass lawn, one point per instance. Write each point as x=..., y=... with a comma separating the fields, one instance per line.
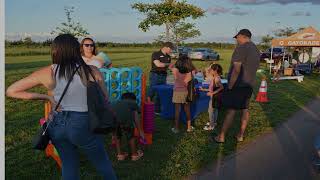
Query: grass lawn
x=170, y=156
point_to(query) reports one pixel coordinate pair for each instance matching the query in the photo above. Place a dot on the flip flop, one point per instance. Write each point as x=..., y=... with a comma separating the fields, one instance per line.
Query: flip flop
x=218, y=140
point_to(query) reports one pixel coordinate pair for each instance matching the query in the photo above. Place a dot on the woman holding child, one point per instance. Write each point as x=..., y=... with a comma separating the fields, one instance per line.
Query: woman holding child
x=91, y=56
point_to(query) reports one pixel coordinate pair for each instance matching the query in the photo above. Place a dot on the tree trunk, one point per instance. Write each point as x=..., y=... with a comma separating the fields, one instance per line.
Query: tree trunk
x=167, y=32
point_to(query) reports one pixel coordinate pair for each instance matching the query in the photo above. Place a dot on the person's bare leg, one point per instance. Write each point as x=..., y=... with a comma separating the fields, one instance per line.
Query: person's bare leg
x=132, y=143
x=118, y=145
x=275, y=76
x=177, y=115
x=244, y=122
x=188, y=114
x=226, y=124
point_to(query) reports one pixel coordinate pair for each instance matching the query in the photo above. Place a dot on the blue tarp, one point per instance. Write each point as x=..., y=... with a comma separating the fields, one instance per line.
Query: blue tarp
x=165, y=92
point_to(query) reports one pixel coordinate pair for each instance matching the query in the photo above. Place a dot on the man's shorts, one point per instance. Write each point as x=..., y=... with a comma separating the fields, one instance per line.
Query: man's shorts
x=237, y=98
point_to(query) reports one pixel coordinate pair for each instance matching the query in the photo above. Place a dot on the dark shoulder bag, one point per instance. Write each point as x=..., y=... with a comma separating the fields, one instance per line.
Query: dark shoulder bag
x=101, y=118
x=192, y=93
x=41, y=139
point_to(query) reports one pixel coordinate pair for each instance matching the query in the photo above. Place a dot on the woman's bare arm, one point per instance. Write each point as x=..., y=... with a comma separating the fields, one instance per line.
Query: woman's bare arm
x=41, y=77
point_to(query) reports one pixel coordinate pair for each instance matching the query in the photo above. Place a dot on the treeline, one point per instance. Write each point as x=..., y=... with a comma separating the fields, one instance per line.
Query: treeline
x=28, y=43
x=47, y=43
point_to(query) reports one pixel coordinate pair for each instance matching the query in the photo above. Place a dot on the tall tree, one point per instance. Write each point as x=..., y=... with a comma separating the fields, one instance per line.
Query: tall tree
x=27, y=41
x=70, y=27
x=285, y=32
x=166, y=12
x=266, y=41
x=181, y=31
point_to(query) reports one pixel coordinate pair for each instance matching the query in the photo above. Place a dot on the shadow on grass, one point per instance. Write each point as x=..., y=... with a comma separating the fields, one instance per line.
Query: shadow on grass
x=286, y=97
x=294, y=138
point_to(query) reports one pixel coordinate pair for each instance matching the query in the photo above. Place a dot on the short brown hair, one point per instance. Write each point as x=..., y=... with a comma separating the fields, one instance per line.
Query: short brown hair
x=168, y=44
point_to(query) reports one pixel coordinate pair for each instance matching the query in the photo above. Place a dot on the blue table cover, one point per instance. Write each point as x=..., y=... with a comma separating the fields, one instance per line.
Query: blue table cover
x=165, y=92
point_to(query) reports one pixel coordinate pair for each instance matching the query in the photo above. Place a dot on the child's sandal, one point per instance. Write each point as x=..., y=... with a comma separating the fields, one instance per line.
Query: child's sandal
x=138, y=156
x=122, y=156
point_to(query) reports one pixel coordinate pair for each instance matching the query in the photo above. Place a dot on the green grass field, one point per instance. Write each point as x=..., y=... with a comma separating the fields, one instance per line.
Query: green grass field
x=170, y=156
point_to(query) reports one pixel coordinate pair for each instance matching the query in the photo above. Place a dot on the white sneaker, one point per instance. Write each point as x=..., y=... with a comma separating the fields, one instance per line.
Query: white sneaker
x=174, y=130
x=190, y=129
x=208, y=128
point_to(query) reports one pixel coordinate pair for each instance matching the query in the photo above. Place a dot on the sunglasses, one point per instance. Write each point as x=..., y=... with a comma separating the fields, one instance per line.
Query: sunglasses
x=87, y=45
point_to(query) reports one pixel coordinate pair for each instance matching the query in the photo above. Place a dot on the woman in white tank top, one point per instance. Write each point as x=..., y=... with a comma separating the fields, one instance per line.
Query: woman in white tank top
x=69, y=130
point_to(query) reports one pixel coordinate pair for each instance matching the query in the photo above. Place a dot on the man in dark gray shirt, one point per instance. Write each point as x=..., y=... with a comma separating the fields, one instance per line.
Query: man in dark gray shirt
x=242, y=74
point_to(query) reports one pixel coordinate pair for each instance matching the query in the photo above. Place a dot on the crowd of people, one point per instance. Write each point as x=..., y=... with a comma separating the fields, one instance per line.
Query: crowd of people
x=69, y=130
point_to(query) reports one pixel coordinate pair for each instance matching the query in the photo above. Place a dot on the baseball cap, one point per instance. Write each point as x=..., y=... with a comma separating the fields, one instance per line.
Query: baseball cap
x=244, y=32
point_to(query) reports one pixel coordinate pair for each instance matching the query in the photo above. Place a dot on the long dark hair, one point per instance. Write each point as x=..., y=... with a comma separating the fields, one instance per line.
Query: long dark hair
x=184, y=64
x=218, y=68
x=95, y=50
x=65, y=52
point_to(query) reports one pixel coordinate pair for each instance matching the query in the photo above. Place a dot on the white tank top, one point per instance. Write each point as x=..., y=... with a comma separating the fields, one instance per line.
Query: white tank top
x=75, y=98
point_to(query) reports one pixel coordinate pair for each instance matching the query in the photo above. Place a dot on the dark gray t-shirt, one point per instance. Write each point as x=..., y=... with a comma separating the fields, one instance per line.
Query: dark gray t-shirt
x=249, y=55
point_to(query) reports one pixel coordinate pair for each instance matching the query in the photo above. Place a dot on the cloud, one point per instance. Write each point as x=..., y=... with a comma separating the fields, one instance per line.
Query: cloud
x=239, y=13
x=272, y=13
x=218, y=10
x=301, y=13
x=222, y=10
x=256, y=2
x=115, y=13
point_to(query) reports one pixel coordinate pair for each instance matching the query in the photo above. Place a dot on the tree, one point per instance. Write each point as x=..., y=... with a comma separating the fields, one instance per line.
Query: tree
x=285, y=32
x=166, y=12
x=180, y=32
x=266, y=41
x=27, y=41
x=70, y=27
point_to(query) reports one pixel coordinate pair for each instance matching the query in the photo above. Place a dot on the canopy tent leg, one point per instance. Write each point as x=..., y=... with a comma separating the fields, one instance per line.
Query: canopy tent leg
x=270, y=59
x=284, y=54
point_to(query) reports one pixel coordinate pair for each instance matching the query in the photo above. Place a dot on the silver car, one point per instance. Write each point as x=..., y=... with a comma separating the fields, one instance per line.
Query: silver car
x=204, y=54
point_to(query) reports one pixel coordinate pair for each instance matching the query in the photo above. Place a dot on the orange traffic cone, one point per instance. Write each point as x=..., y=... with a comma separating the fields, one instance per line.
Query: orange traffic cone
x=262, y=95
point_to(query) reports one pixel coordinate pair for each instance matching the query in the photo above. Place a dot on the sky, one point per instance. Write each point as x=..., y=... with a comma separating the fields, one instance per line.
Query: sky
x=114, y=20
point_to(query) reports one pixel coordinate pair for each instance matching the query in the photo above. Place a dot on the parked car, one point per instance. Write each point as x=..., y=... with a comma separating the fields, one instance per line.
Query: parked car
x=277, y=53
x=180, y=50
x=204, y=54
